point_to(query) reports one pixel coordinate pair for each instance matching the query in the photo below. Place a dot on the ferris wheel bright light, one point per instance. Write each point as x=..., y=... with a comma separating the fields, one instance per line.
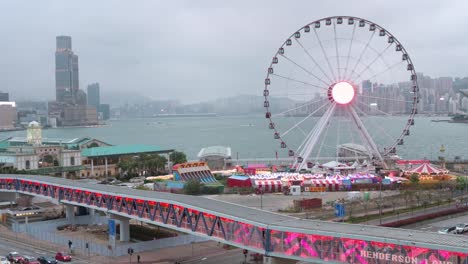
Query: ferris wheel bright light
x=332, y=84
x=343, y=93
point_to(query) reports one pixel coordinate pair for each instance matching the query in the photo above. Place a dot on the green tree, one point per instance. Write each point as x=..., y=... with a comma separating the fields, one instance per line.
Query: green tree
x=178, y=157
x=414, y=178
x=192, y=187
x=93, y=145
x=461, y=182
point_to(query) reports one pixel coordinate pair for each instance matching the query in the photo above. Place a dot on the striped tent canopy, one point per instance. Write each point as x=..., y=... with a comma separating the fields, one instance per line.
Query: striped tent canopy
x=426, y=168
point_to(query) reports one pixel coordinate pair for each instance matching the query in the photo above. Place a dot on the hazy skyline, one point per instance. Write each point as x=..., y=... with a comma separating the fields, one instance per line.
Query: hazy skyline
x=194, y=51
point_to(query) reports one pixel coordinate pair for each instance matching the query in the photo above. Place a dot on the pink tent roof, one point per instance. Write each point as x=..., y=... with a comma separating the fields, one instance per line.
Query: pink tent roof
x=412, y=161
x=426, y=168
x=257, y=166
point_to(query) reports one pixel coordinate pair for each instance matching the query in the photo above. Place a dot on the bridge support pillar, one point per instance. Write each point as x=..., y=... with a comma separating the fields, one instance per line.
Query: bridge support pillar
x=70, y=213
x=124, y=227
x=276, y=260
x=124, y=230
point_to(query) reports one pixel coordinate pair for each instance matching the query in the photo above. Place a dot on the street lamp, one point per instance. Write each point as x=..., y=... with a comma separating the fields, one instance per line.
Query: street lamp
x=465, y=180
x=380, y=202
x=262, y=190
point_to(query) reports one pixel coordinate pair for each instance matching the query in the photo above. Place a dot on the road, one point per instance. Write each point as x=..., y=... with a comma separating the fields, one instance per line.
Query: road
x=393, y=218
x=233, y=256
x=7, y=246
x=434, y=226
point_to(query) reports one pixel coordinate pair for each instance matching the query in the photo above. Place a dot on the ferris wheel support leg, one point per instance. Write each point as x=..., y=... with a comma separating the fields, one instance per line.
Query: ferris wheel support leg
x=366, y=136
x=322, y=124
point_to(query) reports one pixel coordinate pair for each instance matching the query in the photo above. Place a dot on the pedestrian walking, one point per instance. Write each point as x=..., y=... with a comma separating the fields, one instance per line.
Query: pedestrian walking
x=138, y=258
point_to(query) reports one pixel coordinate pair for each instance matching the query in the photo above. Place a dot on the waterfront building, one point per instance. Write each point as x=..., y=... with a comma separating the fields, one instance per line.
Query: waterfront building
x=7, y=115
x=103, y=160
x=79, y=115
x=104, y=111
x=94, y=97
x=79, y=157
x=29, y=111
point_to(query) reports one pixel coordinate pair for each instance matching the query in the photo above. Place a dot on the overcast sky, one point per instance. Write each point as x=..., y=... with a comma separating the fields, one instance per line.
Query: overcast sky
x=197, y=50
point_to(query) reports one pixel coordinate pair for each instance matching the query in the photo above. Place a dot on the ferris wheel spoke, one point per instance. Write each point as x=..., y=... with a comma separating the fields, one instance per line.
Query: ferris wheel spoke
x=362, y=54
x=313, y=60
x=325, y=55
x=304, y=119
x=349, y=50
x=322, y=142
x=391, y=67
x=304, y=69
x=377, y=126
x=367, y=67
x=299, y=107
x=336, y=50
x=363, y=131
x=298, y=81
x=312, y=141
x=351, y=129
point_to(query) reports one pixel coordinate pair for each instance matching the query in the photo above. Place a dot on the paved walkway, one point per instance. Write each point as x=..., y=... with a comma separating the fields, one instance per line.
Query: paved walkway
x=168, y=255
x=397, y=217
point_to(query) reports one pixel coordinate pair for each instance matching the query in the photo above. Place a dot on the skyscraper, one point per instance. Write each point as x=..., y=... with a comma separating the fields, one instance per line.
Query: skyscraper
x=94, y=97
x=66, y=71
x=4, y=97
x=70, y=107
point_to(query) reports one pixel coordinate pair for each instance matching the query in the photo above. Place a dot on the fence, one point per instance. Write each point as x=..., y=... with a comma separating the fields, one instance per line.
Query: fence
x=87, y=245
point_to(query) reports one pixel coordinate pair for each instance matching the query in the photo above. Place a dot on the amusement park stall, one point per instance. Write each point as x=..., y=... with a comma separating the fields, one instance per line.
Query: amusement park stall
x=239, y=181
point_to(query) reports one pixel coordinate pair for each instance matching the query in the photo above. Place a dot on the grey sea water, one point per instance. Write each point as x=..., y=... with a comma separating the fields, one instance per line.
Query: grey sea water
x=249, y=136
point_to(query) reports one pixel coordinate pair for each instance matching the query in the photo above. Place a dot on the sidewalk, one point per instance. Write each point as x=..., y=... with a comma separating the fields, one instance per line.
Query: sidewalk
x=169, y=255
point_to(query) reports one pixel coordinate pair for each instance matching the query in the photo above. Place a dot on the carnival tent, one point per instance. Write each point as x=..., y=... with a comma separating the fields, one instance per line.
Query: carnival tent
x=239, y=181
x=269, y=185
x=426, y=168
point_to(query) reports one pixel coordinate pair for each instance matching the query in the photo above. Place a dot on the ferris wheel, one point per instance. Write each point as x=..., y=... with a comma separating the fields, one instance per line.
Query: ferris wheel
x=341, y=84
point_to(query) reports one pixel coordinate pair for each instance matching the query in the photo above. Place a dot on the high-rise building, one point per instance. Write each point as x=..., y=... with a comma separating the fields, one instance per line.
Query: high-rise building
x=66, y=71
x=7, y=115
x=94, y=97
x=4, y=97
x=70, y=107
x=104, y=111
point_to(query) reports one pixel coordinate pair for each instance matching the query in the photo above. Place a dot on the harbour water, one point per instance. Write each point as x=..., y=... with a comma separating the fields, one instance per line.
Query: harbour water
x=249, y=136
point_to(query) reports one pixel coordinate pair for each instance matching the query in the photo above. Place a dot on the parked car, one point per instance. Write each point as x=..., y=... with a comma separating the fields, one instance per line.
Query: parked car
x=447, y=230
x=4, y=260
x=63, y=257
x=461, y=228
x=46, y=260
x=14, y=257
x=29, y=260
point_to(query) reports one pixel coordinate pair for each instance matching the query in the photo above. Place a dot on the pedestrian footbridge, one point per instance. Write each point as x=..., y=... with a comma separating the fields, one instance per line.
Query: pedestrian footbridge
x=268, y=233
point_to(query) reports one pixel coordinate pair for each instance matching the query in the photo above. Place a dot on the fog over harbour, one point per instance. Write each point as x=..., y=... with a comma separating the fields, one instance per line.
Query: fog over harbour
x=199, y=51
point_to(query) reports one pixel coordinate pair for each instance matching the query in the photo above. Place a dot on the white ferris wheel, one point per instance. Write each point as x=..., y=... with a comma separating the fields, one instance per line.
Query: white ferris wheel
x=340, y=83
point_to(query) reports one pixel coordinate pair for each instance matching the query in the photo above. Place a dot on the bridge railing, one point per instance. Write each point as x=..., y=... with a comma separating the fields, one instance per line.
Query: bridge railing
x=282, y=240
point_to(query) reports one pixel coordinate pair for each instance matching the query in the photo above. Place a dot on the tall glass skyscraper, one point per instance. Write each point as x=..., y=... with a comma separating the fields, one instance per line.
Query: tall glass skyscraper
x=66, y=71
x=94, y=95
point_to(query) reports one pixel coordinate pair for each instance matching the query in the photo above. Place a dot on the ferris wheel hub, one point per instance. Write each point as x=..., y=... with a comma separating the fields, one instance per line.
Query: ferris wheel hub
x=342, y=93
